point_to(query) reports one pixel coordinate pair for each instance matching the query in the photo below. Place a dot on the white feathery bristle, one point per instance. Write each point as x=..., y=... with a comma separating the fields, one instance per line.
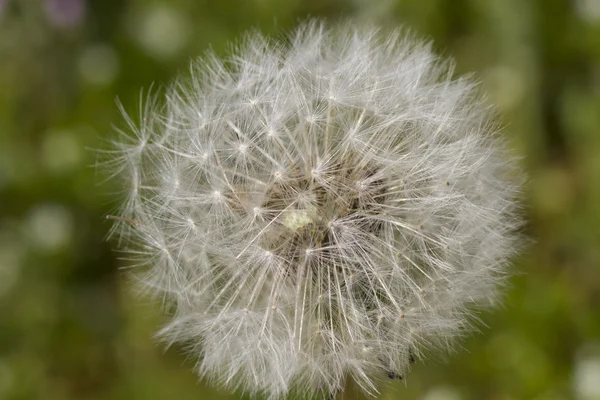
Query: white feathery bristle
x=317, y=209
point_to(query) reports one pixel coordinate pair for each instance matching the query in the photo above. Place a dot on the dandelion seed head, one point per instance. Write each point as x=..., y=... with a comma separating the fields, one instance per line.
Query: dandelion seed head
x=317, y=209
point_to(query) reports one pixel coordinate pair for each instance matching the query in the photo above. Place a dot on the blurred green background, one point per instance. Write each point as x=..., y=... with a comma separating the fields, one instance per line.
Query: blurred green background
x=70, y=324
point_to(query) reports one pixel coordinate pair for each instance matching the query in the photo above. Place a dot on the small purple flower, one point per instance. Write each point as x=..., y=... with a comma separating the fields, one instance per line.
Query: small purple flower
x=65, y=13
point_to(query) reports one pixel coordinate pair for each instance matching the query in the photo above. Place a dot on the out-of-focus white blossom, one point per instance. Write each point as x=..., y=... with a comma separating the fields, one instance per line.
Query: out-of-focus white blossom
x=318, y=208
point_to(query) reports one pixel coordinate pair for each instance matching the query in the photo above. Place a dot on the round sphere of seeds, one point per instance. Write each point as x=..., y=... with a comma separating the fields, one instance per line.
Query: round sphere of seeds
x=319, y=208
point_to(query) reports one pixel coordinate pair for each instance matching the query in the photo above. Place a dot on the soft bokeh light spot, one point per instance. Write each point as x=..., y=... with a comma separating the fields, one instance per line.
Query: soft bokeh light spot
x=162, y=31
x=442, y=393
x=588, y=10
x=61, y=151
x=99, y=64
x=49, y=227
x=586, y=373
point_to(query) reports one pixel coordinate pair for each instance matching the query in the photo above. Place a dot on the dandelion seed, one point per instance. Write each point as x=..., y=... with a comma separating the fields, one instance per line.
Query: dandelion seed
x=317, y=210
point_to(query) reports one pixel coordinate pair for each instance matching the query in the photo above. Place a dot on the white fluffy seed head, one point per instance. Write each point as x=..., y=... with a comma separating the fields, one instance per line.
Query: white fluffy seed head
x=318, y=209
